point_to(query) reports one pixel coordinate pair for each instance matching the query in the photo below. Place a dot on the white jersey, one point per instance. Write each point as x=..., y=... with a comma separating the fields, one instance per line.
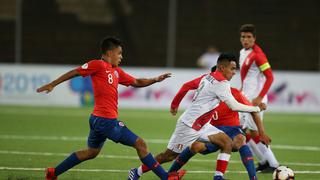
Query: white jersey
x=252, y=77
x=212, y=89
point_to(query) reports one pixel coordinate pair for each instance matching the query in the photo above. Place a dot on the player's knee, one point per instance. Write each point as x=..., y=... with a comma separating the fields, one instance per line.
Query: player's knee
x=238, y=141
x=87, y=154
x=140, y=145
x=226, y=144
x=169, y=155
x=197, y=147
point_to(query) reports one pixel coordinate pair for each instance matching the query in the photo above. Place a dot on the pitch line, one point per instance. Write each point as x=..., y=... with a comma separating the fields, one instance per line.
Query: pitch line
x=153, y=141
x=136, y=158
x=125, y=171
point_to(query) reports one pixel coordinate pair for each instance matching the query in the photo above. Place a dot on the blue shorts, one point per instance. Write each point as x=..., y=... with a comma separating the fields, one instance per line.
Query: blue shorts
x=102, y=129
x=231, y=131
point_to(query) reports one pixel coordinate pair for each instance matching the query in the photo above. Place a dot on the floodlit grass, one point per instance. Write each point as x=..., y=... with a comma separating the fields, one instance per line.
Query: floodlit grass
x=33, y=138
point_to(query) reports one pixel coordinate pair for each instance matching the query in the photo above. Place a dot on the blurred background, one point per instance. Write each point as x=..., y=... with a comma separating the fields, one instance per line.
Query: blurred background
x=166, y=33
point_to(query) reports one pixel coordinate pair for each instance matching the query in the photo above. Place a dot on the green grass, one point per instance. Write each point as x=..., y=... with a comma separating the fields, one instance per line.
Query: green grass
x=26, y=133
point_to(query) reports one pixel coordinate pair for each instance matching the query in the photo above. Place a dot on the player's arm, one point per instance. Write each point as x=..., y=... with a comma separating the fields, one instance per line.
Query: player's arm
x=49, y=87
x=191, y=85
x=263, y=137
x=265, y=68
x=143, y=82
x=224, y=94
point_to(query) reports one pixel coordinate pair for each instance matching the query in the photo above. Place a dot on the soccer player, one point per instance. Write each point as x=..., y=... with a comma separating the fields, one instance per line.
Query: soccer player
x=213, y=88
x=224, y=119
x=106, y=75
x=256, y=78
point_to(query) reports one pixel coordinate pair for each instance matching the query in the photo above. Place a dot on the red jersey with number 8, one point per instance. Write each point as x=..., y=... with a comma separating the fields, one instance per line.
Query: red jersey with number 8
x=105, y=80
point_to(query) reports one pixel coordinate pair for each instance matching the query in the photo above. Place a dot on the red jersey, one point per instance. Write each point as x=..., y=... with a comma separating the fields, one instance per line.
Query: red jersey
x=221, y=115
x=105, y=80
x=224, y=116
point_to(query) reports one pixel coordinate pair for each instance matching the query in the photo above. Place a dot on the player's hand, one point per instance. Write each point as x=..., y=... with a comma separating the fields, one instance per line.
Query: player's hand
x=47, y=88
x=173, y=111
x=256, y=101
x=162, y=77
x=262, y=106
x=265, y=139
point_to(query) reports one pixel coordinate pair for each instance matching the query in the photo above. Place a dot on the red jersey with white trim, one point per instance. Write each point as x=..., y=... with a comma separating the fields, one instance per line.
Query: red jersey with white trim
x=224, y=116
x=105, y=80
x=255, y=71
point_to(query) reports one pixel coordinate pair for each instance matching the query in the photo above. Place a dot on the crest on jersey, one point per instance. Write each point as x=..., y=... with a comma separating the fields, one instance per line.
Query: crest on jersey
x=84, y=66
x=116, y=74
x=180, y=146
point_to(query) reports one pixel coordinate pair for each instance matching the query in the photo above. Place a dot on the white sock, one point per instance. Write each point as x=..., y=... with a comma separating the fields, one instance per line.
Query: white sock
x=268, y=154
x=140, y=170
x=256, y=152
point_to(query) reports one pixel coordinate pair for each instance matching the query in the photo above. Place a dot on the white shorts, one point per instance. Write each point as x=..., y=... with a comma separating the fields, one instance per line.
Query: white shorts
x=206, y=131
x=182, y=137
x=246, y=120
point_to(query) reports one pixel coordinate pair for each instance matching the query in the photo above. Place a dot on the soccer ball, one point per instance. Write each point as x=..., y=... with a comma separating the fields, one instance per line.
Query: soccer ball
x=283, y=173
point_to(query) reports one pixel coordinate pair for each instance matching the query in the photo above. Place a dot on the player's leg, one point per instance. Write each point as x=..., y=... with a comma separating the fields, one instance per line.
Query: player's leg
x=95, y=143
x=163, y=157
x=271, y=162
x=239, y=143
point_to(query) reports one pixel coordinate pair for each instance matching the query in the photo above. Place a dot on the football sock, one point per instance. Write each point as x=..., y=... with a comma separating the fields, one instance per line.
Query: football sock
x=151, y=163
x=269, y=155
x=183, y=158
x=143, y=169
x=256, y=152
x=68, y=163
x=222, y=164
x=247, y=160
x=210, y=148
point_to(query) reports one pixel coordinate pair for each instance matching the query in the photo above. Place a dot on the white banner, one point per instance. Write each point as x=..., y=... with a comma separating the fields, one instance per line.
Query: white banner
x=290, y=92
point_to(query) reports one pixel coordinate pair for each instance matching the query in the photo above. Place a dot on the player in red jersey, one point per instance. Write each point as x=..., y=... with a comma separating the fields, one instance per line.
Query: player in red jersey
x=256, y=79
x=106, y=75
x=224, y=119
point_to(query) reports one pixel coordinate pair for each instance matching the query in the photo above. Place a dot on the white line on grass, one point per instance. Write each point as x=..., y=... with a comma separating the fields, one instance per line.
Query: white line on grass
x=154, y=141
x=136, y=158
x=122, y=171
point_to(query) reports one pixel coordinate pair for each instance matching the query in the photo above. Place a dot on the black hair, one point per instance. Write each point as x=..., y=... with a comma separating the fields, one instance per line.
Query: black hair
x=248, y=28
x=213, y=69
x=226, y=57
x=109, y=43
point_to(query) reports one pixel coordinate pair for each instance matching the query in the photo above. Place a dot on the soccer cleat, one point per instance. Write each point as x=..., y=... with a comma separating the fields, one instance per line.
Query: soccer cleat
x=218, y=178
x=262, y=167
x=269, y=169
x=50, y=174
x=133, y=174
x=177, y=175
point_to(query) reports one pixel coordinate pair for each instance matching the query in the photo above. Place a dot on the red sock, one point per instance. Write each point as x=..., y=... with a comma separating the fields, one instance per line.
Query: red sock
x=222, y=163
x=256, y=139
x=144, y=168
x=248, y=137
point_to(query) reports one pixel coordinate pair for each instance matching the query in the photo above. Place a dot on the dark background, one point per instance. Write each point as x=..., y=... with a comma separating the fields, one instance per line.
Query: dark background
x=69, y=31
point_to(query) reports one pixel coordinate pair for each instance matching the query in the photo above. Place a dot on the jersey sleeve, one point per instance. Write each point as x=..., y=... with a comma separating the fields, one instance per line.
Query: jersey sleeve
x=240, y=97
x=265, y=68
x=89, y=68
x=191, y=85
x=124, y=78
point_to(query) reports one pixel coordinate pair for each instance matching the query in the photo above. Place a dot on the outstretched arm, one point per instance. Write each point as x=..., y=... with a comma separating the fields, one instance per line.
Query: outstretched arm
x=263, y=137
x=191, y=85
x=49, y=87
x=143, y=82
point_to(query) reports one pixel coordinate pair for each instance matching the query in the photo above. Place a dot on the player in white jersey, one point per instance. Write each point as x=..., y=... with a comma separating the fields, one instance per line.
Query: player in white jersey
x=256, y=79
x=213, y=88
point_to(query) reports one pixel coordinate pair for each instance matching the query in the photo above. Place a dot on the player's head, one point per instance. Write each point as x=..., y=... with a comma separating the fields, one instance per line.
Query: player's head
x=227, y=65
x=247, y=35
x=111, y=50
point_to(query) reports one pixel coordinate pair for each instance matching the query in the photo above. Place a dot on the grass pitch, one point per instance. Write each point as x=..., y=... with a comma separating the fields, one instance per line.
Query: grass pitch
x=32, y=138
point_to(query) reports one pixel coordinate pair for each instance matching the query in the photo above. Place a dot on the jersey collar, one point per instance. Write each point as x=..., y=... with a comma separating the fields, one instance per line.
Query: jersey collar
x=218, y=76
